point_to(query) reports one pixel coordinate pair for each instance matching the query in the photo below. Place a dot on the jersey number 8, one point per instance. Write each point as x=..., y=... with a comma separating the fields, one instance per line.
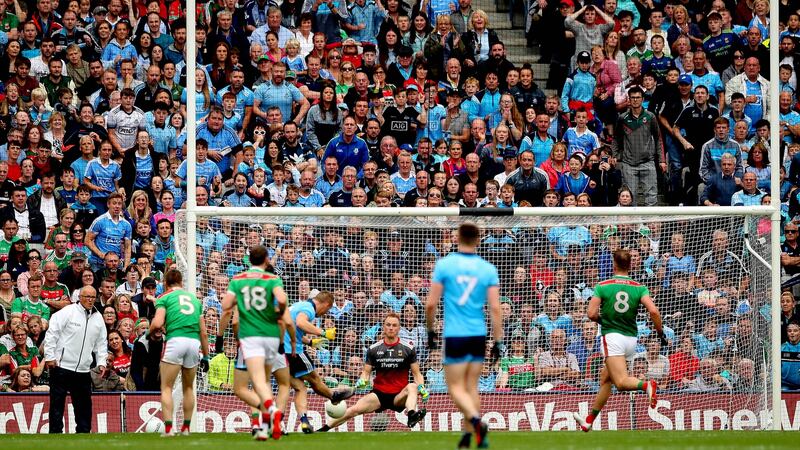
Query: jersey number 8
x=255, y=297
x=621, y=305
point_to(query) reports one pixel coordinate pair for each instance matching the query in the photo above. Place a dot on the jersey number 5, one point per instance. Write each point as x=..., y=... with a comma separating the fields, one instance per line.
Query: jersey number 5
x=255, y=297
x=621, y=305
x=467, y=283
x=187, y=307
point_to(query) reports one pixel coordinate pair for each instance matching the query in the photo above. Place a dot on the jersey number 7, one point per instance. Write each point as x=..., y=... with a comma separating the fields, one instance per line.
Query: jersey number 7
x=468, y=284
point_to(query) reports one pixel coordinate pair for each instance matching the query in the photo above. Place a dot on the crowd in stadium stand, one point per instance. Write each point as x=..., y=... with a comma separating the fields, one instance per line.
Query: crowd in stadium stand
x=382, y=103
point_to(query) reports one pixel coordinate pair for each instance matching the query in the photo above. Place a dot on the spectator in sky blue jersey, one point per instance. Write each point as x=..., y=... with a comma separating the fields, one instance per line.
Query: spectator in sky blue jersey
x=223, y=142
x=579, y=88
x=207, y=172
x=755, y=89
x=103, y=176
x=163, y=134
x=701, y=76
x=110, y=233
x=712, y=151
x=280, y=93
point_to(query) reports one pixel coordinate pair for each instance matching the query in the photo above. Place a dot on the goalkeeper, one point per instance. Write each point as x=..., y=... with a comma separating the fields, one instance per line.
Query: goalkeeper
x=614, y=305
x=391, y=359
x=300, y=366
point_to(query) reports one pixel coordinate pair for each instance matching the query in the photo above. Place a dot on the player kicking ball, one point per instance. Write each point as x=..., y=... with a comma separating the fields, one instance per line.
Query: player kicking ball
x=300, y=366
x=259, y=297
x=467, y=282
x=391, y=359
x=280, y=371
x=614, y=305
x=181, y=315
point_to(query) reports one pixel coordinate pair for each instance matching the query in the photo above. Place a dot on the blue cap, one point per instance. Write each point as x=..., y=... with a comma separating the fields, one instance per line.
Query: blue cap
x=685, y=79
x=407, y=147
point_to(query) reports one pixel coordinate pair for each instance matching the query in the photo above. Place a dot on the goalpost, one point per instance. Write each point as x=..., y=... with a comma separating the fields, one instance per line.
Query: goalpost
x=549, y=260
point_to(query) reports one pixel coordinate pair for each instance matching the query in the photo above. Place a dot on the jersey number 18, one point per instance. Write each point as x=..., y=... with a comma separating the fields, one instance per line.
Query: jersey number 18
x=255, y=297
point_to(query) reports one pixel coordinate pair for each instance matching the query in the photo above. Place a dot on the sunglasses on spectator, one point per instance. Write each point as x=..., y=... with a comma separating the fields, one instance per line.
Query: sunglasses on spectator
x=35, y=257
x=260, y=132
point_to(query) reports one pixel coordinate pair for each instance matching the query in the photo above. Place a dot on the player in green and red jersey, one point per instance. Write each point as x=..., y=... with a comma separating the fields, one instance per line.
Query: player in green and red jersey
x=614, y=306
x=180, y=314
x=259, y=297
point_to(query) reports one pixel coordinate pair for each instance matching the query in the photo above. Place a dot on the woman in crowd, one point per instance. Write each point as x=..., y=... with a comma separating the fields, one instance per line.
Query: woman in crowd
x=34, y=264
x=65, y=220
x=220, y=67
x=204, y=99
x=611, y=48
x=131, y=286
x=608, y=77
x=139, y=208
x=479, y=40
x=8, y=291
x=682, y=26
x=119, y=354
x=24, y=353
x=17, y=261
x=167, y=211
x=56, y=133
x=346, y=80
x=556, y=164
x=452, y=192
x=22, y=381
x=36, y=332
x=87, y=279
x=419, y=35
x=110, y=318
x=455, y=165
x=758, y=163
x=388, y=45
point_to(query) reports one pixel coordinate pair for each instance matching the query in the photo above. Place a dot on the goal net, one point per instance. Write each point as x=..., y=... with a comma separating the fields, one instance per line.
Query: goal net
x=709, y=276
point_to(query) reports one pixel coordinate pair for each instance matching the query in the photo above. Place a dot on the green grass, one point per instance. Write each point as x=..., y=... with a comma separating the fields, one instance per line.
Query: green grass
x=612, y=440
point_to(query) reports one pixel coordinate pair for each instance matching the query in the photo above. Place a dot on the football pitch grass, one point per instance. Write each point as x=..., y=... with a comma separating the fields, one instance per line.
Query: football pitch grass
x=611, y=440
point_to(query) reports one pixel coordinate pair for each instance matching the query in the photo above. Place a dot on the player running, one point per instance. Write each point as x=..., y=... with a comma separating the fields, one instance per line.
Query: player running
x=391, y=359
x=280, y=371
x=261, y=301
x=300, y=365
x=180, y=313
x=467, y=282
x=614, y=305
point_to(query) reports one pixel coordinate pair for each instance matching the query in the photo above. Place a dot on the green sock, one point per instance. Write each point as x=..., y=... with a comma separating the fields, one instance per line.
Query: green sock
x=167, y=422
x=595, y=412
x=186, y=423
x=641, y=385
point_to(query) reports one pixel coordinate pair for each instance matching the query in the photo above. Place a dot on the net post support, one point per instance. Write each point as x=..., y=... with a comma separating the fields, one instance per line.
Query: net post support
x=775, y=320
x=775, y=230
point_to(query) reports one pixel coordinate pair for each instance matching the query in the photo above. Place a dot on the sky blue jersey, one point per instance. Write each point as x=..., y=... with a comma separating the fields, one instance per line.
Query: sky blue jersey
x=310, y=311
x=466, y=279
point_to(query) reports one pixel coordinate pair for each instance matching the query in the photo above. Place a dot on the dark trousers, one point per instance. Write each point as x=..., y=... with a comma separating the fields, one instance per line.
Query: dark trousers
x=79, y=386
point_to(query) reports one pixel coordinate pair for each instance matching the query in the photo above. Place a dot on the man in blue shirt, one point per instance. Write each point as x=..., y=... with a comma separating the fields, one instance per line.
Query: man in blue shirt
x=467, y=282
x=347, y=148
x=223, y=141
x=102, y=176
x=280, y=93
x=110, y=233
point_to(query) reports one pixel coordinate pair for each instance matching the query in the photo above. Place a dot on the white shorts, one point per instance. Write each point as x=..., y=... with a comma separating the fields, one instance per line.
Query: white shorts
x=279, y=363
x=182, y=351
x=615, y=344
x=261, y=347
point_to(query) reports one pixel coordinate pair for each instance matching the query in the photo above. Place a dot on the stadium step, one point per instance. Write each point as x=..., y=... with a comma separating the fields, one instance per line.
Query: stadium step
x=517, y=50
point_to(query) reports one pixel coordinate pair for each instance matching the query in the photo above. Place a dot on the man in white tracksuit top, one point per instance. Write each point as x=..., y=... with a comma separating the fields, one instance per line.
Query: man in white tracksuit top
x=75, y=333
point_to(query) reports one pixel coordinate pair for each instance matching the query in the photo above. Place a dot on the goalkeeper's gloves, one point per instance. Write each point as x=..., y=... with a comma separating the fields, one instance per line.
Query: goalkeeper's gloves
x=204, y=364
x=433, y=340
x=663, y=339
x=423, y=392
x=329, y=333
x=319, y=343
x=361, y=384
x=219, y=344
x=498, y=349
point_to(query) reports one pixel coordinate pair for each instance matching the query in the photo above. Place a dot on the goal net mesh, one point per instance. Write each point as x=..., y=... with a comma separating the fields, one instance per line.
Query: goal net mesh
x=709, y=277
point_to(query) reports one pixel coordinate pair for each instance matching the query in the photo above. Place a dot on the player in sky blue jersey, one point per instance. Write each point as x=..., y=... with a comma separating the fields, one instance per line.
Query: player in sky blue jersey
x=300, y=366
x=467, y=282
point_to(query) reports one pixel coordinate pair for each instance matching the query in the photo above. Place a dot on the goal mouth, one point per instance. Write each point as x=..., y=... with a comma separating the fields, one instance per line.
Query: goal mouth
x=704, y=272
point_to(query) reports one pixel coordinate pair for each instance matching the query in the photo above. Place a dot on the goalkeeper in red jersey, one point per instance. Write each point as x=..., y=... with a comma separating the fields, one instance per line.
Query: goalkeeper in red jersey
x=614, y=306
x=392, y=360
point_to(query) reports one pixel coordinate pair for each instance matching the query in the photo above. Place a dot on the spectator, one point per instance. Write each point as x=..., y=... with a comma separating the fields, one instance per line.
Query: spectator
x=529, y=182
x=754, y=87
x=558, y=367
x=790, y=363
